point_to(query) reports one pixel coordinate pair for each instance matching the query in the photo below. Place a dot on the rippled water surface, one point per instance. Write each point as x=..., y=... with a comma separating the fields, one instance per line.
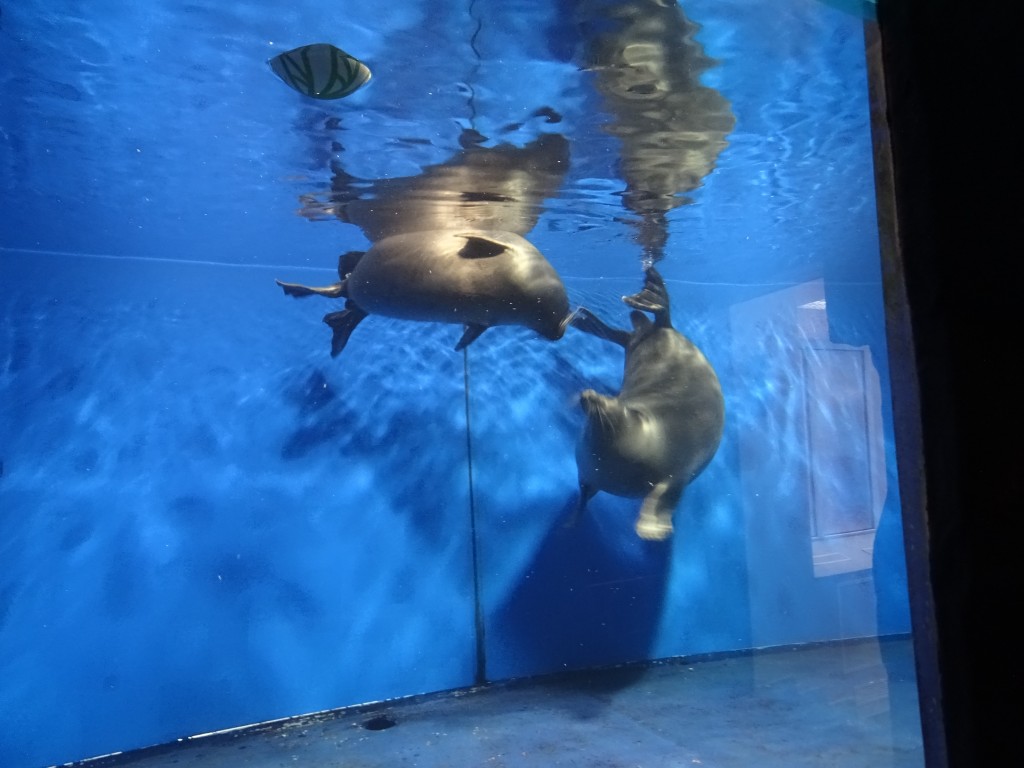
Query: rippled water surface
x=158, y=130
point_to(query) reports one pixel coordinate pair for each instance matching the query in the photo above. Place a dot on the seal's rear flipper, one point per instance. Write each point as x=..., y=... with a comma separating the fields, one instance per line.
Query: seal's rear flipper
x=654, y=522
x=588, y=322
x=641, y=323
x=347, y=262
x=343, y=323
x=471, y=334
x=334, y=291
x=653, y=298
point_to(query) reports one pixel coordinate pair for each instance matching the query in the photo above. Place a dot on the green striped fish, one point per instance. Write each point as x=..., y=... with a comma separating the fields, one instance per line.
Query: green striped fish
x=321, y=71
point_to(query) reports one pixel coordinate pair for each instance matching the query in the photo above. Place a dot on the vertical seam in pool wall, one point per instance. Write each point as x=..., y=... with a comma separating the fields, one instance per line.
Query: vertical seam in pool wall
x=480, y=673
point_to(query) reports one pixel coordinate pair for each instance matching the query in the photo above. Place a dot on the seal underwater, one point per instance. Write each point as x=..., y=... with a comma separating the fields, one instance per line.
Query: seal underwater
x=479, y=278
x=664, y=426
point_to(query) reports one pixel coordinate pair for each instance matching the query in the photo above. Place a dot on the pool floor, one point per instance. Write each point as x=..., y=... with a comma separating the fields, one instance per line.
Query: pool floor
x=842, y=705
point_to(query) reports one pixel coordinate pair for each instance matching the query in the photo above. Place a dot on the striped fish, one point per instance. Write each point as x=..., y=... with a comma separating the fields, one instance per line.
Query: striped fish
x=321, y=71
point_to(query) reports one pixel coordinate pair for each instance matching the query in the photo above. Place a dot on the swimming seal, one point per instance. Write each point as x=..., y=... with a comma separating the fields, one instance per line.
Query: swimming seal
x=478, y=278
x=664, y=426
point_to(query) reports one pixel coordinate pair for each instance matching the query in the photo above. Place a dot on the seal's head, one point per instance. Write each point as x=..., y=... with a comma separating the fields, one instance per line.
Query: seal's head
x=544, y=299
x=550, y=321
x=591, y=401
x=604, y=414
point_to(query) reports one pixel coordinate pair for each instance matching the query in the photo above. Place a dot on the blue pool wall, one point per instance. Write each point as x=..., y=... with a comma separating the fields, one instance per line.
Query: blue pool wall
x=214, y=523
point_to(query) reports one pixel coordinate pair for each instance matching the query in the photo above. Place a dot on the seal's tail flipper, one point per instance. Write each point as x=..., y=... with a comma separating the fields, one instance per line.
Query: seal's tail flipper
x=588, y=322
x=471, y=334
x=641, y=323
x=347, y=262
x=333, y=291
x=343, y=323
x=653, y=298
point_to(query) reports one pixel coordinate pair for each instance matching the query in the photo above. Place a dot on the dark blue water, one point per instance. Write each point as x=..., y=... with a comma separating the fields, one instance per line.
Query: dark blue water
x=205, y=520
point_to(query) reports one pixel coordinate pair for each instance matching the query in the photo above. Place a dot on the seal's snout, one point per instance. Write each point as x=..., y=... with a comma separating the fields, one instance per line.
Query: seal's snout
x=589, y=400
x=551, y=323
x=552, y=334
x=556, y=334
x=563, y=325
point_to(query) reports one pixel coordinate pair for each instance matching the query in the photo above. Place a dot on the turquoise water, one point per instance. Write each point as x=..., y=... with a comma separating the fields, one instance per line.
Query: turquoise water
x=206, y=520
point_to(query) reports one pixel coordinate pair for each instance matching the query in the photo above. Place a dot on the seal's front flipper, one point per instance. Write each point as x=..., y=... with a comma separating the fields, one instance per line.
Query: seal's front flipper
x=655, y=520
x=471, y=334
x=477, y=247
x=653, y=298
x=343, y=323
x=588, y=322
x=586, y=494
x=334, y=291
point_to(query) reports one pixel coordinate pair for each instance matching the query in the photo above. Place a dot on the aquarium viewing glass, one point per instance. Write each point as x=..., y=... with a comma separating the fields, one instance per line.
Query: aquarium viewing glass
x=217, y=510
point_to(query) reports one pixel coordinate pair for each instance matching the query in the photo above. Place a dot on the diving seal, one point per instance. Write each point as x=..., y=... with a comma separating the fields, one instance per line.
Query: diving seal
x=478, y=278
x=664, y=426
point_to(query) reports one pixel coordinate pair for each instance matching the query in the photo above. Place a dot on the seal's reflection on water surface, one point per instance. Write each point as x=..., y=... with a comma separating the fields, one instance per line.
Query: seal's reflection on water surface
x=647, y=66
x=498, y=188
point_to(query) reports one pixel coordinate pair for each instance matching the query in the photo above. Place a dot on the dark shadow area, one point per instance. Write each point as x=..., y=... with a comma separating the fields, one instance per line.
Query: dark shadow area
x=587, y=598
x=387, y=431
